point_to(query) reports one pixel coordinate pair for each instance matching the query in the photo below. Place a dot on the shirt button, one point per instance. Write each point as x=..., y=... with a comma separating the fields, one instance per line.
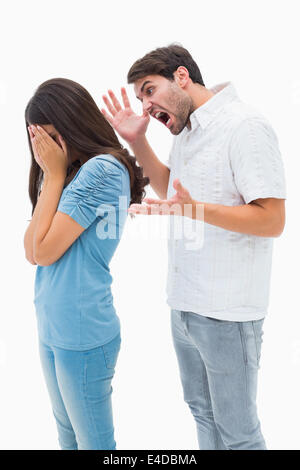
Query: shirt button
x=176, y=269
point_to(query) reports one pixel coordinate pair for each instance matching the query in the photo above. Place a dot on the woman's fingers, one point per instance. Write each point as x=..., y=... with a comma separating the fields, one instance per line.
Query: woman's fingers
x=42, y=135
x=63, y=144
x=30, y=133
x=33, y=146
x=38, y=139
x=35, y=152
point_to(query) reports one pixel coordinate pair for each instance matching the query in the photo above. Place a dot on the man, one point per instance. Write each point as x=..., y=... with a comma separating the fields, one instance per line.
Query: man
x=225, y=158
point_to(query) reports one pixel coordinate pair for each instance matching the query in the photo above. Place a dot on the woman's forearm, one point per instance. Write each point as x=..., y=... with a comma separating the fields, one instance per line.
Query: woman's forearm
x=53, y=160
x=28, y=237
x=48, y=201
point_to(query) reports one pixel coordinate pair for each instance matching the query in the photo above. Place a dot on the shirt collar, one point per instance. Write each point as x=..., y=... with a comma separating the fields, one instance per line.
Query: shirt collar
x=224, y=93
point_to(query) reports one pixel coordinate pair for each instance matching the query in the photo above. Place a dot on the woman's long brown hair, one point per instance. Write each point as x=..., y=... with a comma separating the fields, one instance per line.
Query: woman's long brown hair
x=72, y=111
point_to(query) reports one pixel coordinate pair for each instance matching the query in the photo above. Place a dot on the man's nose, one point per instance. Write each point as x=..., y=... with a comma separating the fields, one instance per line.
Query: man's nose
x=147, y=105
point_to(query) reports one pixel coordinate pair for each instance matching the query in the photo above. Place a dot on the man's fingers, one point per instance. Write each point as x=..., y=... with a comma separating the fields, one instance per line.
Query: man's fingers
x=139, y=209
x=144, y=209
x=151, y=209
x=149, y=200
x=109, y=106
x=178, y=186
x=114, y=100
x=125, y=98
x=107, y=116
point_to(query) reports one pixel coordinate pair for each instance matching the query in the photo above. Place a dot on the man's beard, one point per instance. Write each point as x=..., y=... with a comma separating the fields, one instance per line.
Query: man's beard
x=183, y=106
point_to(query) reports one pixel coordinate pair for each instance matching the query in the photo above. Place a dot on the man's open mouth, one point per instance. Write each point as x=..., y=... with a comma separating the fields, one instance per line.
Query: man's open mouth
x=163, y=117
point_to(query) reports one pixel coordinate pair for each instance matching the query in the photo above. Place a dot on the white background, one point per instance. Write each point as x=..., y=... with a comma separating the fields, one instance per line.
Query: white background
x=253, y=43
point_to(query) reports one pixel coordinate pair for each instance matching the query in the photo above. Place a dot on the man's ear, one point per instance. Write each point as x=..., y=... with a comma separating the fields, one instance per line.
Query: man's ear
x=181, y=76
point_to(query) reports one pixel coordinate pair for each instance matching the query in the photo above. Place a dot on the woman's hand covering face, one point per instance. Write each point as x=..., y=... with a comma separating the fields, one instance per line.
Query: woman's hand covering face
x=51, y=157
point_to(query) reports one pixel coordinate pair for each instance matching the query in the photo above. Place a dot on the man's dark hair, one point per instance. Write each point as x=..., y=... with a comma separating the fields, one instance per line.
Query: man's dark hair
x=165, y=61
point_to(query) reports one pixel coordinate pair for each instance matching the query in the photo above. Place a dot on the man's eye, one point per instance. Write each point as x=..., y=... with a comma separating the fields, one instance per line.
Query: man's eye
x=149, y=91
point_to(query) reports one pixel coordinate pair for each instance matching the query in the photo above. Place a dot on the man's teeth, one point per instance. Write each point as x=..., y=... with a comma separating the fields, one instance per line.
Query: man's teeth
x=160, y=114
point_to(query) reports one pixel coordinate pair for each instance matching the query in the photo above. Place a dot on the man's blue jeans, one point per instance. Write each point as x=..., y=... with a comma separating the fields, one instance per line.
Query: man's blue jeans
x=79, y=386
x=218, y=362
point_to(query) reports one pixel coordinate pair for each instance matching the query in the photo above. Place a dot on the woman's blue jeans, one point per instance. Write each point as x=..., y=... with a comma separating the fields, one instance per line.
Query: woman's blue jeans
x=79, y=385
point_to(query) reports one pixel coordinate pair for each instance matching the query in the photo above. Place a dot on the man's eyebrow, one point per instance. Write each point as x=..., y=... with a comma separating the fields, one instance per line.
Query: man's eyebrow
x=143, y=86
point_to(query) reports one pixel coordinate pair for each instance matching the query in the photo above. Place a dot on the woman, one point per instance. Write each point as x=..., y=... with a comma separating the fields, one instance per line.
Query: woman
x=80, y=177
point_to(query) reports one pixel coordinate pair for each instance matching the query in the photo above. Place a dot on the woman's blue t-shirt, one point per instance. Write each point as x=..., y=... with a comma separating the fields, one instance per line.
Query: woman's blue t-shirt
x=73, y=299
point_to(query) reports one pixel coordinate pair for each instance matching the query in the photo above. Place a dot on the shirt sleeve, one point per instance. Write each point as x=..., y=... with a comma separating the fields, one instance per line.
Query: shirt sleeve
x=256, y=161
x=92, y=192
x=168, y=163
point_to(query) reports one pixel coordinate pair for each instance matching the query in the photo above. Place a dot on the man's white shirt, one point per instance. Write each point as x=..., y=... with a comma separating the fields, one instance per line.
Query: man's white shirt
x=229, y=156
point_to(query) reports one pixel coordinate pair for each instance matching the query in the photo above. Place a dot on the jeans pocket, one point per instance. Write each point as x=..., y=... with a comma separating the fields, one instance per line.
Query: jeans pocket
x=243, y=341
x=111, y=352
x=258, y=334
x=251, y=339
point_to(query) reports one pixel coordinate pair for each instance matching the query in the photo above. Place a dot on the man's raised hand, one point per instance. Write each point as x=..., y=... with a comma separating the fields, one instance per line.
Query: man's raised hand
x=125, y=121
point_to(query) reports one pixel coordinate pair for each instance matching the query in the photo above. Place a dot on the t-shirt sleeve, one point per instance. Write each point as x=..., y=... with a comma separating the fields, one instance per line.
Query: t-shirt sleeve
x=256, y=161
x=95, y=189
